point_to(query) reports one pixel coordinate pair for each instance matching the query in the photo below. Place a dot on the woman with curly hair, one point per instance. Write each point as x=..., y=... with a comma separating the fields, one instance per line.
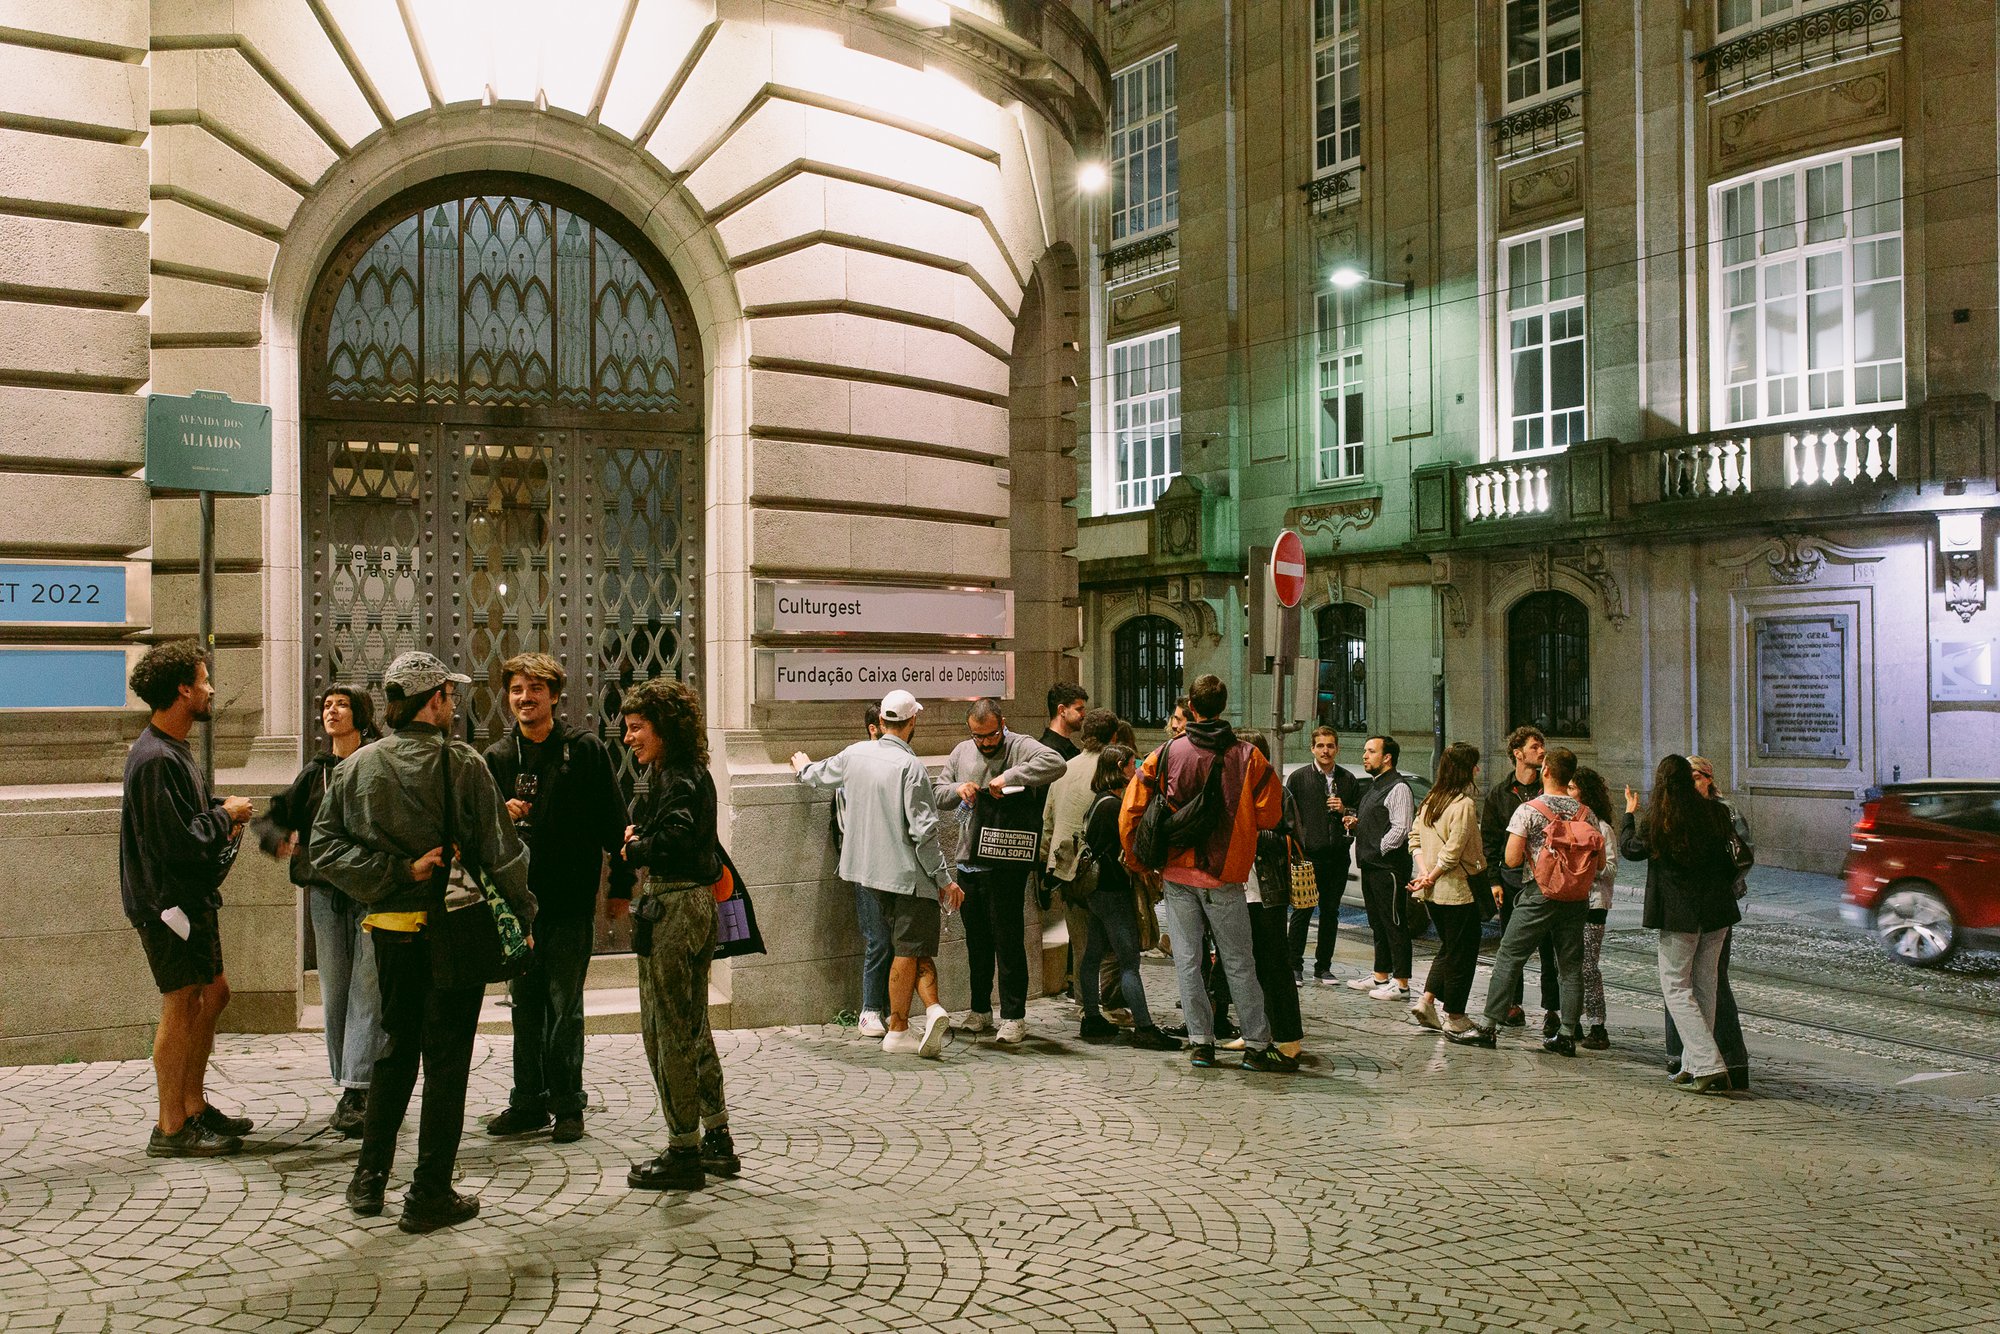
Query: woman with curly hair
x=1589, y=788
x=1691, y=901
x=674, y=840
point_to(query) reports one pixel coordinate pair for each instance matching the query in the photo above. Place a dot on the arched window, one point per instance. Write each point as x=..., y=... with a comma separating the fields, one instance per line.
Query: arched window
x=1548, y=665
x=1343, y=667
x=1147, y=670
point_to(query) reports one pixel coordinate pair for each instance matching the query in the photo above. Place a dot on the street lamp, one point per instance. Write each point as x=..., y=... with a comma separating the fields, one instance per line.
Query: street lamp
x=1091, y=178
x=1347, y=278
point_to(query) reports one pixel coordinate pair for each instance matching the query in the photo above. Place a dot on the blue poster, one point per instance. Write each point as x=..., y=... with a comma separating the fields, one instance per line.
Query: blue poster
x=62, y=678
x=32, y=594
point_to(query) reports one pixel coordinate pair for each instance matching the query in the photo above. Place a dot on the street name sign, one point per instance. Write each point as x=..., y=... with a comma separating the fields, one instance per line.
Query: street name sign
x=800, y=607
x=208, y=442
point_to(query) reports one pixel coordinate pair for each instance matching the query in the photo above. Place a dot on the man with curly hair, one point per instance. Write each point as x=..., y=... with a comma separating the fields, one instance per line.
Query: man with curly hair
x=176, y=842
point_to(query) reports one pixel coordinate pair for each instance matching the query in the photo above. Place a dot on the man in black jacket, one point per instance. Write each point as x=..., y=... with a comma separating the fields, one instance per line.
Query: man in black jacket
x=564, y=799
x=1525, y=746
x=1323, y=794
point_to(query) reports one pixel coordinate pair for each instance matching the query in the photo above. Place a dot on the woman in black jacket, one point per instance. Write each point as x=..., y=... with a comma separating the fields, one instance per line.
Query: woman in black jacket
x=1113, y=909
x=1691, y=901
x=1270, y=942
x=350, y=997
x=674, y=839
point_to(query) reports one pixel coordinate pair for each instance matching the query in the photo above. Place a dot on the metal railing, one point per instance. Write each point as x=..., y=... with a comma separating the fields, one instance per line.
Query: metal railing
x=1818, y=37
x=1538, y=128
x=1144, y=257
x=1336, y=189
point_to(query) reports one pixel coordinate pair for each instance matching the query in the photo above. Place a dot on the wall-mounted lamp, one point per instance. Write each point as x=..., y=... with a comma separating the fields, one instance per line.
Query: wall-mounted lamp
x=1346, y=278
x=1092, y=178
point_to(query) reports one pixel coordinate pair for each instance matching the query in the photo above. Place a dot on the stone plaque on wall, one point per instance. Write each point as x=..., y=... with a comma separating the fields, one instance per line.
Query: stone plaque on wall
x=1802, y=697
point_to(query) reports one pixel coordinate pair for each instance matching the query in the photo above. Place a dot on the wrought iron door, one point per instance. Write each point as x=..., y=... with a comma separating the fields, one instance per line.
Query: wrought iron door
x=502, y=430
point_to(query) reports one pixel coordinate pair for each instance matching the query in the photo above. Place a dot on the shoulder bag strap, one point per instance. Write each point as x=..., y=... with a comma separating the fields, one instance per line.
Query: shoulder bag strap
x=450, y=849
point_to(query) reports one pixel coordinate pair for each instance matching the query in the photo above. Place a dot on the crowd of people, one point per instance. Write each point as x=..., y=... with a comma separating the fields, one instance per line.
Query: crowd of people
x=1211, y=881
x=1199, y=849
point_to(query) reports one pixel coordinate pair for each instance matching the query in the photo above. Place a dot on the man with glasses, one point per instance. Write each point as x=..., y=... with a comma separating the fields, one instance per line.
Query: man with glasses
x=379, y=838
x=994, y=779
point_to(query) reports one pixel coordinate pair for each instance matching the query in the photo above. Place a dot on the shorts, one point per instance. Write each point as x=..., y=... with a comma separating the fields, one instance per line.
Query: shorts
x=177, y=963
x=915, y=924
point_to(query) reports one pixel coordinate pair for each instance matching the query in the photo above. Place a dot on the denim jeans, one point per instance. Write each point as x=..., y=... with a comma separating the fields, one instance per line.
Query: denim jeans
x=548, y=1019
x=1513, y=883
x=1689, y=964
x=1227, y=917
x=349, y=992
x=876, y=954
x=1537, y=919
x=996, y=931
x=1114, y=929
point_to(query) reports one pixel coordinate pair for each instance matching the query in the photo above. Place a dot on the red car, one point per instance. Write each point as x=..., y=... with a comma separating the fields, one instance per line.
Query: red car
x=1923, y=871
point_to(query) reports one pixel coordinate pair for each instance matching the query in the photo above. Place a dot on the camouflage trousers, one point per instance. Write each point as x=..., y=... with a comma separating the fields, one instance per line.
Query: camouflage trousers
x=673, y=1013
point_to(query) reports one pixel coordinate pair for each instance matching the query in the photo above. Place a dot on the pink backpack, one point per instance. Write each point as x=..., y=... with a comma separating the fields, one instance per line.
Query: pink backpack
x=1572, y=855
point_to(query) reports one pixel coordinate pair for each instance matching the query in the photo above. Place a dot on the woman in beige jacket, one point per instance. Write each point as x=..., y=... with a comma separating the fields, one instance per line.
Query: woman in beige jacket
x=1445, y=839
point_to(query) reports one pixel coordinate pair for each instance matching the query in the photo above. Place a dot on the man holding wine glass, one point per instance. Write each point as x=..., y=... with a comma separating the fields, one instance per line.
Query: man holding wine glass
x=564, y=799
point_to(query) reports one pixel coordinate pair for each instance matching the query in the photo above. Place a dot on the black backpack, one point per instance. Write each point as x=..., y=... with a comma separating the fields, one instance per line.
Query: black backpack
x=1163, y=828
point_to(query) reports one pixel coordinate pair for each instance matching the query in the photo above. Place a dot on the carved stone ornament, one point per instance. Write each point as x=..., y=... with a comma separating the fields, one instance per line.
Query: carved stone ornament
x=1593, y=566
x=1964, y=585
x=1333, y=518
x=1811, y=114
x=1146, y=303
x=1177, y=520
x=1544, y=187
x=1794, y=559
x=1448, y=594
x=1143, y=23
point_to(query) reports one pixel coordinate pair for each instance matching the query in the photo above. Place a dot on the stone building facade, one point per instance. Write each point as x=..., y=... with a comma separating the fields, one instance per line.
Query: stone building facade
x=575, y=321
x=1659, y=408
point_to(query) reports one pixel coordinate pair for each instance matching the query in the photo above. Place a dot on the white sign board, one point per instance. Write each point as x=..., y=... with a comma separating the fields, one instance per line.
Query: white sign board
x=796, y=675
x=787, y=607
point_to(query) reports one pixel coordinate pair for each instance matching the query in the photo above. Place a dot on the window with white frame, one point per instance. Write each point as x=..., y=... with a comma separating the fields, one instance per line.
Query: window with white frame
x=1336, y=84
x=1735, y=16
x=1808, y=280
x=1145, y=150
x=1543, y=328
x=1145, y=410
x=1544, y=47
x=1340, y=412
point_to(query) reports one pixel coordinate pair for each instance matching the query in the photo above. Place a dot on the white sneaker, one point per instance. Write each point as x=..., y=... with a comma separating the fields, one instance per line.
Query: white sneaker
x=1390, y=991
x=871, y=1025
x=1122, y=1018
x=973, y=1021
x=1365, y=982
x=937, y=1023
x=1011, y=1031
x=902, y=1042
x=1425, y=1013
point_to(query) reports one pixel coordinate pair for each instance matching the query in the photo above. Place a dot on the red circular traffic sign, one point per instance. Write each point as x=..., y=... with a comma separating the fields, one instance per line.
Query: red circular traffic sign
x=1288, y=569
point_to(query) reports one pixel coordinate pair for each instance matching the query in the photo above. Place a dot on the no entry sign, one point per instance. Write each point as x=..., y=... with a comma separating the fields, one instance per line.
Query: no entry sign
x=1288, y=569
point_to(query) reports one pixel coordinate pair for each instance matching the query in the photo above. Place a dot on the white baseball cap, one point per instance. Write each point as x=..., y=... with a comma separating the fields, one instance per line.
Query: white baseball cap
x=900, y=706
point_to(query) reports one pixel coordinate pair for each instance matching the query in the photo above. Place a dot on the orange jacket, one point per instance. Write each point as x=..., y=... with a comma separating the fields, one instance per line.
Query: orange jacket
x=1257, y=804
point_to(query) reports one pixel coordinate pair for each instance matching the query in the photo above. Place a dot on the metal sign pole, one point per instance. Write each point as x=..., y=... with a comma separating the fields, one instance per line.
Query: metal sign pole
x=208, y=627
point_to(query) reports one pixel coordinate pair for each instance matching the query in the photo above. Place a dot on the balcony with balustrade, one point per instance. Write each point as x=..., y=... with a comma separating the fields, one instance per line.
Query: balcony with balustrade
x=1780, y=472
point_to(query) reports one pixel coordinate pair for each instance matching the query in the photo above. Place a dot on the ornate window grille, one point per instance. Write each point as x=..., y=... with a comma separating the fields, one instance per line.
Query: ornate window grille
x=1548, y=664
x=502, y=403
x=1146, y=664
x=1343, y=667
x=1759, y=41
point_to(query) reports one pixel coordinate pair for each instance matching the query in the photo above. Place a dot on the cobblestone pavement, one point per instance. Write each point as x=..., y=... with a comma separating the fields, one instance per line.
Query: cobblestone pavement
x=1398, y=1184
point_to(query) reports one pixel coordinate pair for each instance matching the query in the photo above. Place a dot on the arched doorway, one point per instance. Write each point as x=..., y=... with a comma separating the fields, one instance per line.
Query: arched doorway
x=501, y=407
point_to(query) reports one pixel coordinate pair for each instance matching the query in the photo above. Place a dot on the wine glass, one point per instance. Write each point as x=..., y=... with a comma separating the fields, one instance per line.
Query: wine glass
x=526, y=787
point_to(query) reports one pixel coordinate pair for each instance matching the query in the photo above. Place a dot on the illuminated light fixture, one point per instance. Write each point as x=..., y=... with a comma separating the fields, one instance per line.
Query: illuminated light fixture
x=916, y=13
x=1091, y=177
x=1347, y=278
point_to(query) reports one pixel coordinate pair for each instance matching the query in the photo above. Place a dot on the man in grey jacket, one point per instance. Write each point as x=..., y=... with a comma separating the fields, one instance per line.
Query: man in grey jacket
x=378, y=838
x=992, y=779
x=889, y=845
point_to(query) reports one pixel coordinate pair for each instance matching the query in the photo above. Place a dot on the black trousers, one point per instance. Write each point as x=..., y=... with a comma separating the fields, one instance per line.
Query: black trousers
x=1270, y=949
x=1450, y=978
x=1551, y=985
x=420, y=1023
x=996, y=937
x=1380, y=887
x=1728, y=1026
x=1330, y=869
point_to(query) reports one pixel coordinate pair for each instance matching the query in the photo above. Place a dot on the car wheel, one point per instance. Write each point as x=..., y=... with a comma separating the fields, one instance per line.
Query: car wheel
x=1915, y=926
